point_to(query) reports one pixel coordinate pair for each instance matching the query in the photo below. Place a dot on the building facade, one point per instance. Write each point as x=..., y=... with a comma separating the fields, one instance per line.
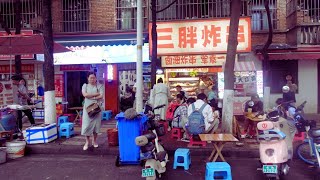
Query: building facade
x=83, y=24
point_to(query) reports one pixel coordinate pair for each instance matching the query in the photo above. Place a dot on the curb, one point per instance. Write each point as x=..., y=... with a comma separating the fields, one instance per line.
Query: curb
x=105, y=150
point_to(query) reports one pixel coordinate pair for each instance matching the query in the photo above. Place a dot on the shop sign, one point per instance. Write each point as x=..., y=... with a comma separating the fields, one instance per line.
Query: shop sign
x=193, y=60
x=25, y=68
x=78, y=67
x=200, y=36
x=58, y=85
x=23, y=56
x=188, y=70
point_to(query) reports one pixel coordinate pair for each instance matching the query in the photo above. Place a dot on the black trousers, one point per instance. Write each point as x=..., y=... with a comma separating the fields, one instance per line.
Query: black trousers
x=28, y=113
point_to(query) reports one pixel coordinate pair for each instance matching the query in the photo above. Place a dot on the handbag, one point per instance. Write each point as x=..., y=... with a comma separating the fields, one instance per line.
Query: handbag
x=93, y=109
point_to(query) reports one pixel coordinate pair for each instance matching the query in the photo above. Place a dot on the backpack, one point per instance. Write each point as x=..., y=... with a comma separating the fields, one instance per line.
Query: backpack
x=170, y=111
x=177, y=120
x=196, y=123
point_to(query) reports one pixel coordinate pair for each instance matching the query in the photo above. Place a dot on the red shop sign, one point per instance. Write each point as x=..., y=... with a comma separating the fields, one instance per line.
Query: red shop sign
x=59, y=85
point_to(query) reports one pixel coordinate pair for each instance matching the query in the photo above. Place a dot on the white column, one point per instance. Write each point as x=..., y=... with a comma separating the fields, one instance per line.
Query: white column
x=139, y=90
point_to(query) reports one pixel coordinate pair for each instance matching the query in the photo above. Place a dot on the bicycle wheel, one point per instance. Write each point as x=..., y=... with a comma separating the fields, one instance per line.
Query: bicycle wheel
x=303, y=151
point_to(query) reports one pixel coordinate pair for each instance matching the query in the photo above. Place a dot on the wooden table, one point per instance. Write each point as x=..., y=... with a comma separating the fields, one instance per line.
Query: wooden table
x=254, y=121
x=78, y=110
x=219, y=140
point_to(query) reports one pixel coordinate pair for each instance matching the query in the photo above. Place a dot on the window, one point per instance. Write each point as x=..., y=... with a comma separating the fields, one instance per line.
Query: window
x=193, y=9
x=31, y=12
x=311, y=10
x=75, y=15
x=259, y=21
x=127, y=14
x=278, y=72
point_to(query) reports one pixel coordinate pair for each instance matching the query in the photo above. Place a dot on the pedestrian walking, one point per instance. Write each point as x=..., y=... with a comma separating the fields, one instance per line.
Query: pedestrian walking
x=93, y=93
x=160, y=94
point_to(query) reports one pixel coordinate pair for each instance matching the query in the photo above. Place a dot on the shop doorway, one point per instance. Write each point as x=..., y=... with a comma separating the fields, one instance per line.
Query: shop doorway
x=318, y=86
x=75, y=80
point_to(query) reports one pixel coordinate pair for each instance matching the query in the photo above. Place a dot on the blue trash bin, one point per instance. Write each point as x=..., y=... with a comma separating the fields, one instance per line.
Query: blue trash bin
x=128, y=130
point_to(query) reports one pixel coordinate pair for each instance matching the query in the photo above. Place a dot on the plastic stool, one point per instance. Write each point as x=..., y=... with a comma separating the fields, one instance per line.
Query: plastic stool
x=299, y=136
x=218, y=170
x=176, y=133
x=196, y=143
x=66, y=129
x=182, y=158
x=62, y=119
x=106, y=115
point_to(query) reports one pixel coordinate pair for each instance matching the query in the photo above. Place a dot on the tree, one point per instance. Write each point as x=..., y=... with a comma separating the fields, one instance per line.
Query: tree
x=154, y=55
x=17, y=10
x=266, y=62
x=48, y=67
x=227, y=111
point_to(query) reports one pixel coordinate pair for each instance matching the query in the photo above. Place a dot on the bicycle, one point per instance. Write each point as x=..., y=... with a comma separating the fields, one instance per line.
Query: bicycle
x=309, y=150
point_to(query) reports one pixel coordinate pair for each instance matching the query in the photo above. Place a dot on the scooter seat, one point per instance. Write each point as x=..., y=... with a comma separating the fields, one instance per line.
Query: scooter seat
x=314, y=133
x=271, y=135
x=316, y=140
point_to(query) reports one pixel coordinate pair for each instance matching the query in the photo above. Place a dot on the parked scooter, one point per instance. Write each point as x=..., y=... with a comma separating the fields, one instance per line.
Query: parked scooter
x=151, y=150
x=276, y=141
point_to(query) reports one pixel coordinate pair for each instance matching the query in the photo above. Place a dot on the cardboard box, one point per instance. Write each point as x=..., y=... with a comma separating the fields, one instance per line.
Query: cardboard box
x=38, y=113
x=43, y=133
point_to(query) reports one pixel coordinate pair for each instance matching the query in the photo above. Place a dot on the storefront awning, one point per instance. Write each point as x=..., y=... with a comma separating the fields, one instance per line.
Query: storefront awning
x=244, y=66
x=107, y=39
x=293, y=53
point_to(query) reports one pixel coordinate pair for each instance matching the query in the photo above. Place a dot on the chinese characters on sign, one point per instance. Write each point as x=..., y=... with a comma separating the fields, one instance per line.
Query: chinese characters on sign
x=200, y=36
x=58, y=85
x=193, y=60
x=25, y=68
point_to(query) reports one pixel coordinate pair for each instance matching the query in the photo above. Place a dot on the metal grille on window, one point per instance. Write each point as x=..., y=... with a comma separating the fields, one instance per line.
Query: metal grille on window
x=195, y=9
x=31, y=13
x=75, y=15
x=127, y=14
x=310, y=9
x=259, y=18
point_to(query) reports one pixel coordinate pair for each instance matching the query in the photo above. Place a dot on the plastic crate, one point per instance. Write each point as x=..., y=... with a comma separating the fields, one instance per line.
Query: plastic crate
x=128, y=130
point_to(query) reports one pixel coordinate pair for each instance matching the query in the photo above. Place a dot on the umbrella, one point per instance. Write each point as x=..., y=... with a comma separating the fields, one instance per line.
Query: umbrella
x=26, y=44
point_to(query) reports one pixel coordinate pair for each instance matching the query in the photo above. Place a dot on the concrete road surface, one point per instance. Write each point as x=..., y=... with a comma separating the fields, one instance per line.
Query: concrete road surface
x=83, y=167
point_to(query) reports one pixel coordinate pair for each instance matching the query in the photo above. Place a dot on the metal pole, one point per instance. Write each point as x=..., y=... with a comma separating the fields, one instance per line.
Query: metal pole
x=139, y=102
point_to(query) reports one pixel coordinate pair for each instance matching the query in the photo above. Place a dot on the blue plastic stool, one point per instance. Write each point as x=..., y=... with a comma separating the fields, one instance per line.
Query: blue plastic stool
x=106, y=115
x=66, y=129
x=62, y=119
x=182, y=158
x=218, y=169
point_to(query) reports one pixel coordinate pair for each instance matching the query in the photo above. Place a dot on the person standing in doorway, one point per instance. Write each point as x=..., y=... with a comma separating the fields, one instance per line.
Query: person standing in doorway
x=23, y=97
x=160, y=94
x=93, y=93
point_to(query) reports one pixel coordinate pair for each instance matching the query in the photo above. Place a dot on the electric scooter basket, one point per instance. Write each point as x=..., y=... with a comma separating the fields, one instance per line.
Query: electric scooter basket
x=160, y=130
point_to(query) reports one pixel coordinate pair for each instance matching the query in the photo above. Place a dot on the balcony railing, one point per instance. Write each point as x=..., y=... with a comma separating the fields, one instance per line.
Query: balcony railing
x=31, y=13
x=308, y=10
x=310, y=34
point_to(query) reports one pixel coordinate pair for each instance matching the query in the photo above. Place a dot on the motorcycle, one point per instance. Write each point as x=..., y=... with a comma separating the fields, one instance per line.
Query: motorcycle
x=152, y=152
x=276, y=136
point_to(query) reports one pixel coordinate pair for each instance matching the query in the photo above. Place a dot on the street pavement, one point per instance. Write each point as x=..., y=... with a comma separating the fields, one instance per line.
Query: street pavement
x=96, y=167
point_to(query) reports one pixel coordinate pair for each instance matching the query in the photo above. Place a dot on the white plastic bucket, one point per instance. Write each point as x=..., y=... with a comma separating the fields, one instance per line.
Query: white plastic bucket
x=15, y=149
x=3, y=155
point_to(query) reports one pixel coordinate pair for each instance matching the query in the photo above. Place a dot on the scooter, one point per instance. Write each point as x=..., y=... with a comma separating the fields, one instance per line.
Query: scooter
x=152, y=152
x=274, y=136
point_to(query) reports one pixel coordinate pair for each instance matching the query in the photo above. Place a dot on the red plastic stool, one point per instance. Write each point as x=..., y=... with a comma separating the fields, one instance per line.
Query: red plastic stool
x=194, y=143
x=176, y=133
x=300, y=136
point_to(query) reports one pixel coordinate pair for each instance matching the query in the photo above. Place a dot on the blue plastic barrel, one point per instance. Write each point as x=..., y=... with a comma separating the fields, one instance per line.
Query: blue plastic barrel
x=128, y=130
x=8, y=122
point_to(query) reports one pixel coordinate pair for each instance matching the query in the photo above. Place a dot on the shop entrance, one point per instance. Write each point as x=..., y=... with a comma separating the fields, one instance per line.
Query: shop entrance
x=75, y=80
x=318, y=86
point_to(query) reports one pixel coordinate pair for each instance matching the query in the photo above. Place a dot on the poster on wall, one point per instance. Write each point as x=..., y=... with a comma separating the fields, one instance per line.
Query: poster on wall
x=59, y=85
